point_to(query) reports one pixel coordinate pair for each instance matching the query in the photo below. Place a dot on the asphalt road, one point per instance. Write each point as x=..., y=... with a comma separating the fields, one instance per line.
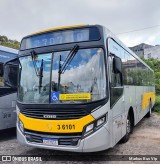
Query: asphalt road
x=145, y=140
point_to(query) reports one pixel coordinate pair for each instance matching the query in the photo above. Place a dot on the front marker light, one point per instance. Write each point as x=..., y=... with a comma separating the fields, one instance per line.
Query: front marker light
x=21, y=127
x=100, y=121
x=17, y=110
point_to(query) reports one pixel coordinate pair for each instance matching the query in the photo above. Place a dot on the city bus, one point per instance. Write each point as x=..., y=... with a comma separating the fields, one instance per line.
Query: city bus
x=80, y=89
x=8, y=94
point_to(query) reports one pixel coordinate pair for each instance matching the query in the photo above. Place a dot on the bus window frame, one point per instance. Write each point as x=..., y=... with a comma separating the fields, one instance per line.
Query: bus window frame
x=122, y=80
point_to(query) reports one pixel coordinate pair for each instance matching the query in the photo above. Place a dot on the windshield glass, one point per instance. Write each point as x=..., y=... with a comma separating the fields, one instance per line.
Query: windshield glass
x=30, y=90
x=82, y=80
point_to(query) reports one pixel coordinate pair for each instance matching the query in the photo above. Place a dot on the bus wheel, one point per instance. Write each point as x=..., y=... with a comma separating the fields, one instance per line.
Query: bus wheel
x=128, y=130
x=150, y=110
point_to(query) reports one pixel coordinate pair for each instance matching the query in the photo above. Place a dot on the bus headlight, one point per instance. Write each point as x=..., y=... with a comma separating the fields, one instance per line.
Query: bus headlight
x=101, y=121
x=20, y=125
x=95, y=125
x=89, y=128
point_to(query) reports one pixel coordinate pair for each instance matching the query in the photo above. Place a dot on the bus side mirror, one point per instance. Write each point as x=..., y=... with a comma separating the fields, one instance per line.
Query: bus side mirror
x=117, y=65
x=11, y=74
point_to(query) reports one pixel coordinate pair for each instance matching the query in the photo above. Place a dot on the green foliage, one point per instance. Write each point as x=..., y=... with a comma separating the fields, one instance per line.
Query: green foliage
x=155, y=65
x=4, y=41
x=157, y=105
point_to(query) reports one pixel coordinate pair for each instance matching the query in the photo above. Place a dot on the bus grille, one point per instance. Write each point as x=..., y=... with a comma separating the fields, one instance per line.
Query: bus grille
x=62, y=140
x=54, y=114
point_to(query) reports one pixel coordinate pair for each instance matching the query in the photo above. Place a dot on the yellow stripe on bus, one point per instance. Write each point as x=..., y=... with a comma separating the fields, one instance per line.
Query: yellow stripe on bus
x=59, y=28
x=56, y=126
x=146, y=99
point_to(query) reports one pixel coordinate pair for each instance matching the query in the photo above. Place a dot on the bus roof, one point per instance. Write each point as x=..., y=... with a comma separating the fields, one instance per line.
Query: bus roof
x=59, y=28
x=7, y=49
x=7, y=54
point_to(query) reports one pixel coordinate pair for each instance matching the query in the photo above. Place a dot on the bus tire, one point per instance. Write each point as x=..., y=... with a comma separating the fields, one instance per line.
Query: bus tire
x=128, y=130
x=150, y=110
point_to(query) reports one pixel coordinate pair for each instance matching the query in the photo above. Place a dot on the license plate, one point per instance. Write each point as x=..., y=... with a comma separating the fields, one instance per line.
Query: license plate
x=50, y=141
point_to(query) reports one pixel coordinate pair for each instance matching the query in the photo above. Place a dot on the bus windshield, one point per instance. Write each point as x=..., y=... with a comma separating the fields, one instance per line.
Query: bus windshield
x=82, y=80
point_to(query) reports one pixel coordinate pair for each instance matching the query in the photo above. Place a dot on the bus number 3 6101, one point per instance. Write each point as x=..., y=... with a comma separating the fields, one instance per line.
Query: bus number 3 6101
x=66, y=127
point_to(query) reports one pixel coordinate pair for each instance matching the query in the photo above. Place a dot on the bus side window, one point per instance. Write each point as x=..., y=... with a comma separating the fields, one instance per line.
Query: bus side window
x=11, y=73
x=4, y=89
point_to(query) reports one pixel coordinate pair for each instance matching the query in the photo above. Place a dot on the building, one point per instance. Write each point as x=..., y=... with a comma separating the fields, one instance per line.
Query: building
x=152, y=52
x=139, y=49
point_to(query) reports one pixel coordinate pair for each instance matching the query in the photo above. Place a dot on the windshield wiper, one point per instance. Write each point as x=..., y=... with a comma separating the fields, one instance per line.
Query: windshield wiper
x=59, y=71
x=69, y=58
x=40, y=72
x=40, y=76
x=33, y=55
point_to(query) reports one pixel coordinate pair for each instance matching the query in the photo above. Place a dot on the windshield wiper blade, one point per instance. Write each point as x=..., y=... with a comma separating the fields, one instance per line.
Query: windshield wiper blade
x=69, y=58
x=59, y=74
x=40, y=76
x=33, y=55
x=39, y=73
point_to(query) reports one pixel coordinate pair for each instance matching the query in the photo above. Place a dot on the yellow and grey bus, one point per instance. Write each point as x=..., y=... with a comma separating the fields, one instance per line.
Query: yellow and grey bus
x=80, y=89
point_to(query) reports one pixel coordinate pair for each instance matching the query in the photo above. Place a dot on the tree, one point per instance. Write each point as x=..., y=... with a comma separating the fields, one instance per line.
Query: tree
x=155, y=65
x=4, y=41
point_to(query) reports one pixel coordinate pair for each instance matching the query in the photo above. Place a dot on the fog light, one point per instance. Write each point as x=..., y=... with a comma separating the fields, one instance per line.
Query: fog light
x=100, y=121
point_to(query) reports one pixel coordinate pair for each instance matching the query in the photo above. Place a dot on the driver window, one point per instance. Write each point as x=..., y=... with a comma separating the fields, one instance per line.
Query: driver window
x=116, y=84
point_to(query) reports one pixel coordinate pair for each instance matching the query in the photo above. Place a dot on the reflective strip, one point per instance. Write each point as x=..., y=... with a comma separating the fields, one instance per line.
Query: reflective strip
x=56, y=126
x=146, y=99
x=59, y=28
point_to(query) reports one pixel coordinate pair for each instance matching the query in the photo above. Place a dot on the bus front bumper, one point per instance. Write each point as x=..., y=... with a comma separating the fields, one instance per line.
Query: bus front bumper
x=97, y=141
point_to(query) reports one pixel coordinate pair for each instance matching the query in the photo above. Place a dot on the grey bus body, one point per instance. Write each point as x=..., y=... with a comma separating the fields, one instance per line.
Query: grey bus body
x=8, y=95
x=130, y=96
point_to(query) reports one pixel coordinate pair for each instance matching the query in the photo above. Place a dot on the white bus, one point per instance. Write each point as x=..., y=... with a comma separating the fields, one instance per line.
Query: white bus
x=8, y=95
x=80, y=89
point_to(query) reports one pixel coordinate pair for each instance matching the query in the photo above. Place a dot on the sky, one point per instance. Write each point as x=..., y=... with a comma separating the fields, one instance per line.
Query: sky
x=19, y=18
